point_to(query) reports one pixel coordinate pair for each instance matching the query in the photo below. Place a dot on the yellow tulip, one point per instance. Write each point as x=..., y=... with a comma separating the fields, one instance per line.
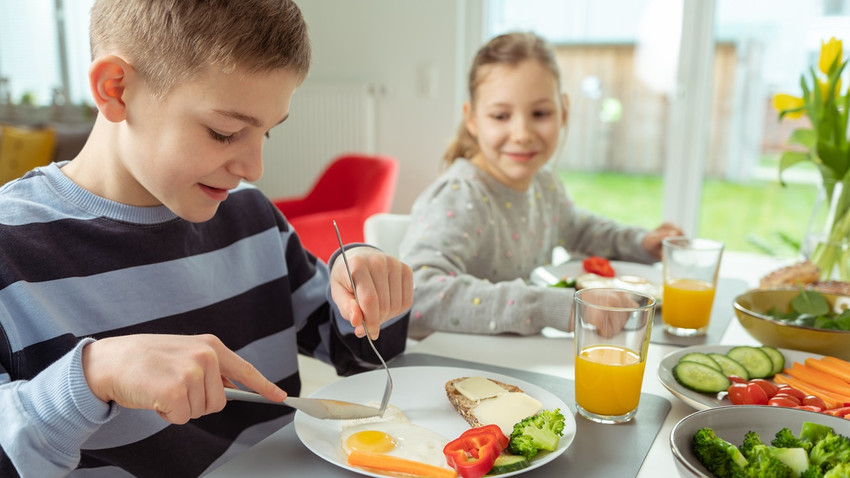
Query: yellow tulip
x=783, y=102
x=829, y=51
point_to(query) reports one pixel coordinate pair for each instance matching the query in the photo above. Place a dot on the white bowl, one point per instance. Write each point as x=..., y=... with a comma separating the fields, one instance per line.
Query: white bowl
x=732, y=422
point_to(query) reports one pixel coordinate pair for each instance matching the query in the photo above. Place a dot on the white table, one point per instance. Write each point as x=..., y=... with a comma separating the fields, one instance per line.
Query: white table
x=550, y=355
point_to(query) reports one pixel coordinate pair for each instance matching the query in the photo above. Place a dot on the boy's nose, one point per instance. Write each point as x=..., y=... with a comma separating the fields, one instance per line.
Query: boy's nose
x=249, y=164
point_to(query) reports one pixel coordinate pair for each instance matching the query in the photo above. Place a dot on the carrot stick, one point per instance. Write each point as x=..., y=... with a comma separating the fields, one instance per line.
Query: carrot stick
x=828, y=398
x=827, y=367
x=842, y=364
x=398, y=465
x=822, y=380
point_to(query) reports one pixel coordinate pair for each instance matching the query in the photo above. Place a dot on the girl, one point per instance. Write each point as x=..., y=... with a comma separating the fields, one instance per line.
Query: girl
x=494, y=215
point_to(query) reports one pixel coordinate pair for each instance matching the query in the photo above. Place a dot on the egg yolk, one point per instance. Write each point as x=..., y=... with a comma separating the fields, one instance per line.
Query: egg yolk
x=371, y=441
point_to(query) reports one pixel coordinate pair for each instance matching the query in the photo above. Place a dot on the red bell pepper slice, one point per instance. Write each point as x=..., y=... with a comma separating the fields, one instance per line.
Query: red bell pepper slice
x=599, y=266
x=474, y=452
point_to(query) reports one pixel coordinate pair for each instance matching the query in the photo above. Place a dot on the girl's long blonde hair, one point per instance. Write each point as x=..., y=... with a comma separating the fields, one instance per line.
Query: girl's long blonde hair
x=507, y=49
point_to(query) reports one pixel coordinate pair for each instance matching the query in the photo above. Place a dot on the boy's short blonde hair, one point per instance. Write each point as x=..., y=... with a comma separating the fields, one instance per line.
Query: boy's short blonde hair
x=169, y=41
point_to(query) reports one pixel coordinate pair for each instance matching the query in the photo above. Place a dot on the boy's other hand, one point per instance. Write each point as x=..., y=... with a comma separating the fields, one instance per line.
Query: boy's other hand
x=384, y=288
x=180, y=377
x=652, y=241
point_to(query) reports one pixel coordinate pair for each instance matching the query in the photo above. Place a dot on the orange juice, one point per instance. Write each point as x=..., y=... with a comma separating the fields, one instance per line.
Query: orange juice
x=608, y=379
x=687, y=303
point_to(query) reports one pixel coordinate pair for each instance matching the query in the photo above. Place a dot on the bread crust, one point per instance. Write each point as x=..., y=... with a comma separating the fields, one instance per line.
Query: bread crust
x=803, y=274
x=465, y=406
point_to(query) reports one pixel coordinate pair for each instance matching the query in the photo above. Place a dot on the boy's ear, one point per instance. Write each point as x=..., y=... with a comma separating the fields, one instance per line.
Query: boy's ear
x=108, y=77
x=468, y=119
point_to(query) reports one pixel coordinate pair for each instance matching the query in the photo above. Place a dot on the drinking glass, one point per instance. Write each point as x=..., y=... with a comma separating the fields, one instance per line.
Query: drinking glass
x=690, y=280
x=612, y=329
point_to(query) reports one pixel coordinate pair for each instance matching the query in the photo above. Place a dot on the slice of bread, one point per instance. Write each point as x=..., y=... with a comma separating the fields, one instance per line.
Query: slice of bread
x=465, y=406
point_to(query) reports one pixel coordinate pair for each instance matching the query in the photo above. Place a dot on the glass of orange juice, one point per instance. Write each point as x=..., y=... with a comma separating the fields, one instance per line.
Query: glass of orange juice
x=612, y=329
x=690, y=279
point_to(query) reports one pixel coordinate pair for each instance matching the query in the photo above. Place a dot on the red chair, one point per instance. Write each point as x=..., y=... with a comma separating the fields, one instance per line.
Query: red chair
x=349, y=190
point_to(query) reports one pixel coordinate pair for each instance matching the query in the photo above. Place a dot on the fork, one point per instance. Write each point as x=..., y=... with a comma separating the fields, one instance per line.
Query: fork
x=388, y=389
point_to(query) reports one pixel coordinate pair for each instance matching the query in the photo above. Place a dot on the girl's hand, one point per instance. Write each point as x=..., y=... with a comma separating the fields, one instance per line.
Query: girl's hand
x=384, y=288
x=179, y=376
x=652, y=241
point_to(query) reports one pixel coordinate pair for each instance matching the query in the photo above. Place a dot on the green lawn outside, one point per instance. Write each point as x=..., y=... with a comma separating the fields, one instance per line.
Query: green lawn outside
x=749, y=217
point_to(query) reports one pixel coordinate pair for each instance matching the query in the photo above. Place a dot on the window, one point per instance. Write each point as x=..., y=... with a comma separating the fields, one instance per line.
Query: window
x=696, y=142
x=44, y=51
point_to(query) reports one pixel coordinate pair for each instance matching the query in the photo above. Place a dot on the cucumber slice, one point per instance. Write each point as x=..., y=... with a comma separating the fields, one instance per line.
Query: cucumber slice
x=730, y=367
x=776, y=357
x=508, y=463
x=700, y=358
x=754, y=359
x=700, y=378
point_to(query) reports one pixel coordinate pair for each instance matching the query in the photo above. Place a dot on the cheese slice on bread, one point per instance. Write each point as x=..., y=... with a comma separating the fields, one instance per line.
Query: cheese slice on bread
x=483, y=401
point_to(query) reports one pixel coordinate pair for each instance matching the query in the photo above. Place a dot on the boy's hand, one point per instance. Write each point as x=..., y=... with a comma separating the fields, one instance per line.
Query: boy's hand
x=181, y=377
x=384, y=287
x=652, y=242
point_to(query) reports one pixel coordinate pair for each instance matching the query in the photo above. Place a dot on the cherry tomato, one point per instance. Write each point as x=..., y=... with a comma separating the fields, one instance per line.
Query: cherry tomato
x=769, y=387
x=737, y=393
x=737, y=379
x=790, y=397
x=747, y=394
x=599, y=266
x=788, y=390
x=779, y=400
x=814, y=401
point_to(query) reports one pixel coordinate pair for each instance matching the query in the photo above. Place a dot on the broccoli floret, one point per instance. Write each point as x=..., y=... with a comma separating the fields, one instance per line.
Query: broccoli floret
x=716, y=454
x=761, y=462
x=786, y=439
x=537, y=432
x=842, y=470
x=830, y=451
x=814, y=432
x=752, y=440
x=813, y=471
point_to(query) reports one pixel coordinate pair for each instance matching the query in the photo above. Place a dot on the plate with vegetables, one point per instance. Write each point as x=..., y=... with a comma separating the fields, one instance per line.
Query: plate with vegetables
x=420, y=421
x=759, y=441
x=599, y=272
x=703, y=389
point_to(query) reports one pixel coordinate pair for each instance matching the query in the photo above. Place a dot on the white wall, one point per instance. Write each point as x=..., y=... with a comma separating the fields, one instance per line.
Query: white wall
x=395, y=44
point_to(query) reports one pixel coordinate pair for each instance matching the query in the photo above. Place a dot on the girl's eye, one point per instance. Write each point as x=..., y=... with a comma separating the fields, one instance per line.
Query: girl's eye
x=542, y=113
x=499, y=116
x=220, y=137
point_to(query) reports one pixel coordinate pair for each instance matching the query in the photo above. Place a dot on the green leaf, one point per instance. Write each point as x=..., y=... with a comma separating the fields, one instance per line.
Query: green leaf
x=804, y=137
x=843, y=321
x=833, y=158
x=810, y=302
x=788, y=159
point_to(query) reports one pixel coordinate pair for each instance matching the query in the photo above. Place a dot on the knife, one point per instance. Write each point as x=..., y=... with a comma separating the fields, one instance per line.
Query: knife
x=316, y=407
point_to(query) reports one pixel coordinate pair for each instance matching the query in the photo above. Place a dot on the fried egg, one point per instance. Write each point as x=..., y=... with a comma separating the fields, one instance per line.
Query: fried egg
x=393, y=434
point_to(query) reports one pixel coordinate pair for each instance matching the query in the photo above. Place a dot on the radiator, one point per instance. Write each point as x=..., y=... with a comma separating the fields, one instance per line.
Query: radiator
x=326, y=120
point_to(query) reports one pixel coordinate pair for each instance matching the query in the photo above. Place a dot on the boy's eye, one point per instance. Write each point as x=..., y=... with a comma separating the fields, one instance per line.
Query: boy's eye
x=220, y=137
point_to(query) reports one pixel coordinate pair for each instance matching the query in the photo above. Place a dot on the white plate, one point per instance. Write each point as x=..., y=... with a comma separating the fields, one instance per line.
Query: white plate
x=420, y=393
x=550, y=275
x=703, y=401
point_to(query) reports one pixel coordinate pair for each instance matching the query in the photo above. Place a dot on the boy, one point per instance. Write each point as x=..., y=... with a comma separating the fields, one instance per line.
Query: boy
x=130, y=275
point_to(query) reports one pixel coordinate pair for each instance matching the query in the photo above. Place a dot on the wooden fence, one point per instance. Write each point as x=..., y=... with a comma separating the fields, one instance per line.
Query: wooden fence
x=599, y=78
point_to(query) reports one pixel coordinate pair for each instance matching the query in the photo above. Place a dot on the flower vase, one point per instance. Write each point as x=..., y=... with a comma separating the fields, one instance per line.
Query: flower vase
x=827, y=240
